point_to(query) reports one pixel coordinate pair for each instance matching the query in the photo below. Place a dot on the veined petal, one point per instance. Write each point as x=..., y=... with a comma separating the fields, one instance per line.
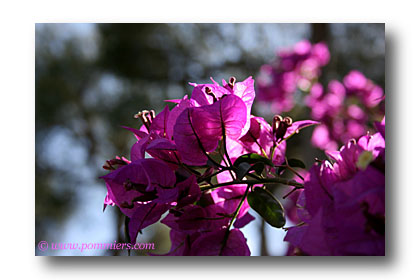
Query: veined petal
x=174, y=114
x=161, y=144
x=136, y=180
x=297, y=126
x=198, y=130
x=139, y=134
x=188, y=142
x=160, y=123
x=145, y=215
x=200, y=96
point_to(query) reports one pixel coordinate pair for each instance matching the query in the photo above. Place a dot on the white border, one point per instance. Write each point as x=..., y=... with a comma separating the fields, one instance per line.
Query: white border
x=17, y=140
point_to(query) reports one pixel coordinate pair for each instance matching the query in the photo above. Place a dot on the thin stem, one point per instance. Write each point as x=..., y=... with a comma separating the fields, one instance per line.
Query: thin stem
x=221, y=154
x=232, y=174
x=256, y=141
x=211, y=219
x=224, y=143
x=295, y=172
x=228, y=166
x=235, y=215
x=289, y=193
x=271, y=173
x=213, y=161
x=200, y=145
x=292, y=170
x=186, y=167
x=211, y=176
x=239, y=207
x=225, y=149
x=253, y=182
x=211, y=184
x=254, y=176
x=298, y=225
x=273, y=149
x=275, y=144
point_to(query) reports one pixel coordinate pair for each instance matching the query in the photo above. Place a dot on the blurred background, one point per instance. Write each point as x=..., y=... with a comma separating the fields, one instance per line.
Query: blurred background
x=91, y=79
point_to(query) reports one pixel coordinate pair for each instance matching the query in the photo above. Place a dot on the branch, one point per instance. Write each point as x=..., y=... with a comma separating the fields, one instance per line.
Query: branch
x=253, y=182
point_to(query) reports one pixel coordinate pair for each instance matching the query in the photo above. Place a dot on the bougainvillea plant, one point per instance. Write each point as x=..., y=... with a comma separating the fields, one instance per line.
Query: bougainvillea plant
x=205, y=162
x=342, y=206
x=201, y=166
x=346, y=110
x=293, y=69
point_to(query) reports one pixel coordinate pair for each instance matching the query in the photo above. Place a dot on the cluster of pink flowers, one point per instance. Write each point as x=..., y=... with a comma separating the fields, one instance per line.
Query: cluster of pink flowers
x=203, y=164
x=299, y=67
x=344, y=109
x=342, y=207
x=184, y=143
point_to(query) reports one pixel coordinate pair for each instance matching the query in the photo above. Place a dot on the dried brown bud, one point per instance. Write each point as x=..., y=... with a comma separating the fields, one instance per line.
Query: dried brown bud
x=210, y=92
x=232, y=82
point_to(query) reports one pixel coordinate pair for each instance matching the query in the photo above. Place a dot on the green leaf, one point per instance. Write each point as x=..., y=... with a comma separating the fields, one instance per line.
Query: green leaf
x=258, y=167
x=268, y=206
x=281, y=168
x=252, y=158
x=242, y=170
x=293, y=162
